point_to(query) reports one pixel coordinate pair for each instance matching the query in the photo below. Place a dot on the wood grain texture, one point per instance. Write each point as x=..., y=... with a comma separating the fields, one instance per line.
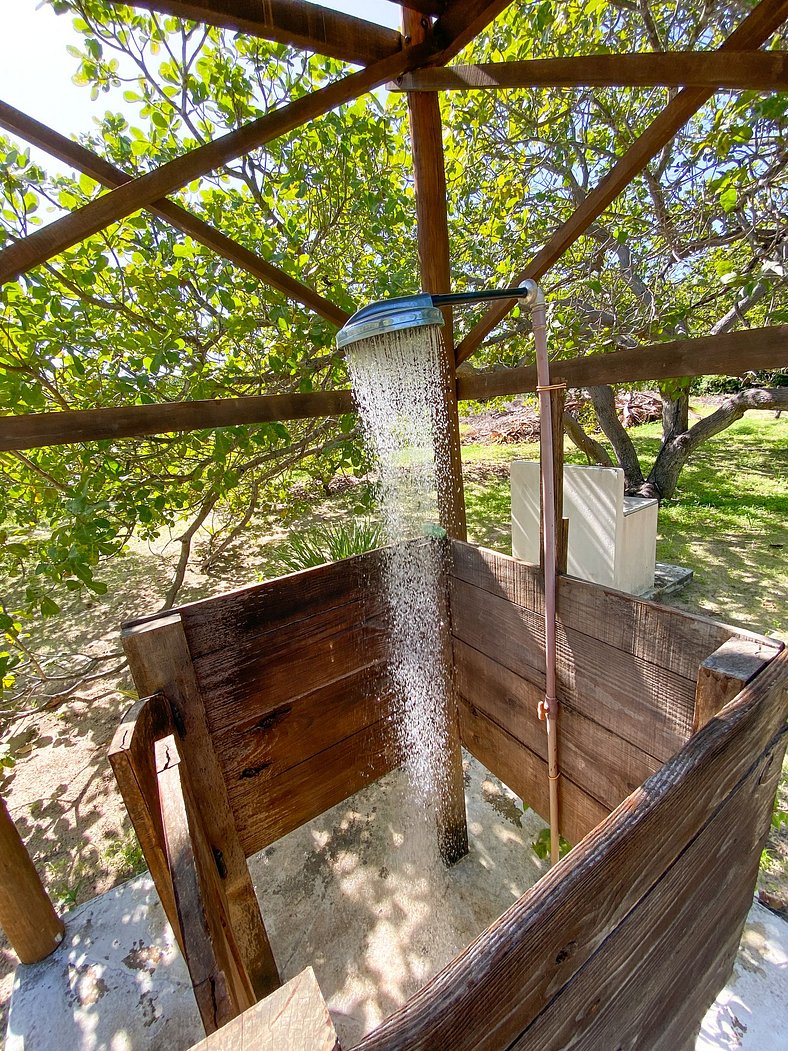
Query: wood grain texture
x=221, y=987
x=727, y=354
x=756, y=28
x=491, y=992
x=746, y=70
x=722, y=675
x=129, y=197
x=294, y=1018
x=293, y=22
x=160, y=661
x=27, y=916
x=641, y=702
x=596, y=759
x=36, y=429
x=108, y=175
x=133, y=760
x=462, y=21
x=526, y=774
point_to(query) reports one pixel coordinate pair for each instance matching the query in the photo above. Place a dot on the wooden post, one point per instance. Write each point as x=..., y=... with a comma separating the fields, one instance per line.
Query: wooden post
x=433, y=236
x=26, y=914
x=725, y=673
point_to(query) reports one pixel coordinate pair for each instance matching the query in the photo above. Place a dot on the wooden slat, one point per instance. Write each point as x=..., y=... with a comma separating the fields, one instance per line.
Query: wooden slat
x=294, y=1018
x=220, y=985
x=642, y=703
x=626, y=994
x=756, y=28
x=433, y=239
x=526, y=774
x=492, y=991
x=143, y=191
x=132, y=758
x=728, y=354
x=723, y=674
x=160, y=661
x=462, y=21
x=34, y=430
x=596, y=759
x=108, y=175
x=745, y=70
x=314, y=786
x=294, y=22
x=661, y=635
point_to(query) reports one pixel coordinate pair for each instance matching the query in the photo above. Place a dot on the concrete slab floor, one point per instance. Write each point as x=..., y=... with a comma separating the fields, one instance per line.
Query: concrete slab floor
x=357, y=898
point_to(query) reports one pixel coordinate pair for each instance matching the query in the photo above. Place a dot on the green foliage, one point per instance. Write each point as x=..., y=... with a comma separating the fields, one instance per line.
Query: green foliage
x=541, y=845
x=315, y=547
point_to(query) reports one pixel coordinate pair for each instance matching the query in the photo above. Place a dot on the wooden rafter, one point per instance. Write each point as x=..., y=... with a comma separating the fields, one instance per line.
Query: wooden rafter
x=424, y=7
x=294, y=22
x=108, y=175
x=130, y=197
x=727, y=354
x=754, y=31
x=35, y=430
x=462, y=21
x=746, y=70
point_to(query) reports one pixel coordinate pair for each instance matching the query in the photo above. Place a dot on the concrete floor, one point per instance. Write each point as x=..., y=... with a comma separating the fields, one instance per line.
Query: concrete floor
x=355, y=894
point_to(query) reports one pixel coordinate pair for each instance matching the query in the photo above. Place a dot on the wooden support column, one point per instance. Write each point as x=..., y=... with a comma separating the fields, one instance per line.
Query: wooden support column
x=725, y=673
x=433, y=234
x=26, y=914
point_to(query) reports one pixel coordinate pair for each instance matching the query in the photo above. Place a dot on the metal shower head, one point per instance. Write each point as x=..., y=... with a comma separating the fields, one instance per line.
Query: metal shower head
x=393, y=315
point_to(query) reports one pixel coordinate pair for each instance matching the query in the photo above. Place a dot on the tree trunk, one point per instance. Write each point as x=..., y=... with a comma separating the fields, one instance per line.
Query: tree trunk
x=594, y=451
x=604, y=402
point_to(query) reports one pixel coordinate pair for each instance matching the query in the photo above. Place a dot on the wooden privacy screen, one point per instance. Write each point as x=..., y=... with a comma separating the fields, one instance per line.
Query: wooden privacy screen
x=627, y=680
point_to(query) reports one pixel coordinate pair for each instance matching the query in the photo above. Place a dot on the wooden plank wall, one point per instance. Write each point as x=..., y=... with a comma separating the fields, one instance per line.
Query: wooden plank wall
x=627, y=940
x=627, y=672
x=293, y=680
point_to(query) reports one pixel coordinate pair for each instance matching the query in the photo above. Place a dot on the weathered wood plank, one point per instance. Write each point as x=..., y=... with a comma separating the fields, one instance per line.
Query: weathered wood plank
x=726, y=354
x=597, y=760
x=294, y=1018
x=627, y=992
x=526, y=774
x=293, y=22
x=314, y=786
x=107, y=174
x=220, y=986
x=488, y=995
x=722, y=675
x=132, y=758
x=747, y=70
x=36, y=429
x=658, y=634
x=129, y=197
x=462, y=21
x=756, y=28
x=644, y=704
x=160, y=662
x=27, y=916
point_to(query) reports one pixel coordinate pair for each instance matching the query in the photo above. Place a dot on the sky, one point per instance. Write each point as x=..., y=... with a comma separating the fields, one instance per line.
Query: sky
x=36, y=69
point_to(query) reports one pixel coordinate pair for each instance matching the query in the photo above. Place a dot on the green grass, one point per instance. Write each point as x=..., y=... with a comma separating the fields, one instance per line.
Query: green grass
x=727, y=522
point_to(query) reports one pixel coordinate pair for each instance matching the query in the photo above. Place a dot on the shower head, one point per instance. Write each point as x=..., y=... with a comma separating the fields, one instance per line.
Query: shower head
x=393, y=315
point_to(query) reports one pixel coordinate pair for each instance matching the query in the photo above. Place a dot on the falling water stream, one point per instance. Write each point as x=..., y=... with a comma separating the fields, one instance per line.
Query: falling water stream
x=396, y=383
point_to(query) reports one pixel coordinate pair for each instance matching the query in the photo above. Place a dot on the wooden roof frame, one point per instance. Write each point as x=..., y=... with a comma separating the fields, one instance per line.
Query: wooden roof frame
x=415, y=59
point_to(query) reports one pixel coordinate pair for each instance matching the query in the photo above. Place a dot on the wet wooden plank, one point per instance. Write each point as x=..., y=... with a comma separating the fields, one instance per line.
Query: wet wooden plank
x=526, y=774
x=640, y=702
x=597, y=760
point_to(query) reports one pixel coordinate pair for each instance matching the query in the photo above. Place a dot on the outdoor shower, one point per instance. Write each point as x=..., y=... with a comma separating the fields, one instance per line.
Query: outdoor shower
x=393, y=318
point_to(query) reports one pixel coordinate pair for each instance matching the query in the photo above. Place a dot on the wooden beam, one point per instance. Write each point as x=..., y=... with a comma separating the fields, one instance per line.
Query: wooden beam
x=425, y=7
x=725, y=673
x=728, y=354
x=108, y=175
x=433, y=236
x=293, y=22
x=462, y=21
x=754, y=31
x=744, y=70
x=34, y=430
x=143, y=191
